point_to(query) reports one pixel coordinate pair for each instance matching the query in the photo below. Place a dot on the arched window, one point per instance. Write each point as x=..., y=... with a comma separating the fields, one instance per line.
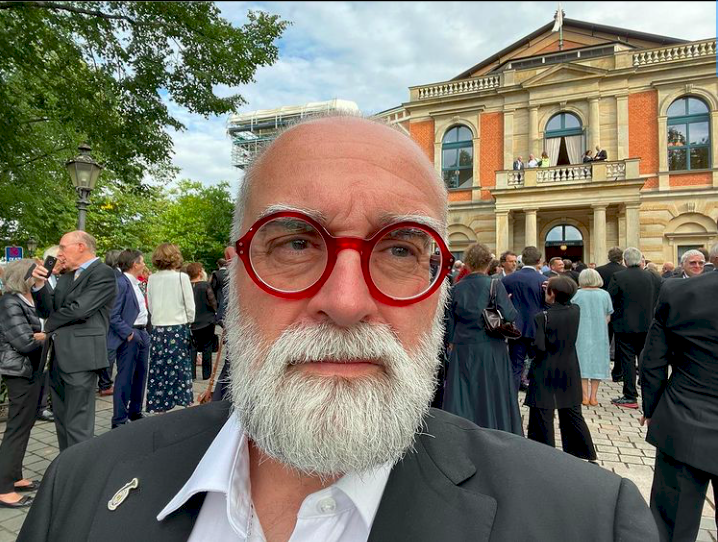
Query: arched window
x=564, y=241
x=457, y=157
x=689, y=137
x=565, y=233
x=564, y=139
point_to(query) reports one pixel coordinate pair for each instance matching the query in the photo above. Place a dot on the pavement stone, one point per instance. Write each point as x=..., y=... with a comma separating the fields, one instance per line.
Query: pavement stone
x=619, y=439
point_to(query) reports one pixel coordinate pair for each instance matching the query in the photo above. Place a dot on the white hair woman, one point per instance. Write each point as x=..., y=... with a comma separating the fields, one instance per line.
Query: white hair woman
x=592, y=344
x=21, y=341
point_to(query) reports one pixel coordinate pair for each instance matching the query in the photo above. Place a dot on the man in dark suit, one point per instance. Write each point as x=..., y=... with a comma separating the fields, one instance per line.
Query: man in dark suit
x=634, y=294
x=526, y=289
x=78, y=315
x=518, y=164
x=614, y=265
x=331, y=434
x=682, y=410
x=104, y=376
x=601, y=154
x=128, y=336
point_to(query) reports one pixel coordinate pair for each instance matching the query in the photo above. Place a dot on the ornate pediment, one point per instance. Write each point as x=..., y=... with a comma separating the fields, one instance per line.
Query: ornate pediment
x=560, y=73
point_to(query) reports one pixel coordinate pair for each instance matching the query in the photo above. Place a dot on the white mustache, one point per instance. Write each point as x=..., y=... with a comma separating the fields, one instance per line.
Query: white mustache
x=301, y=344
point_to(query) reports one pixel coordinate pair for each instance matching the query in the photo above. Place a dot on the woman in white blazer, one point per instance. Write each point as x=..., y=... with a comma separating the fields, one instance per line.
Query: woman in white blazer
x=171, y=304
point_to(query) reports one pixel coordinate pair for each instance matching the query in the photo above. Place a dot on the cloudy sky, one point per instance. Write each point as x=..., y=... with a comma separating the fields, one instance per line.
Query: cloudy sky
x=371, y=52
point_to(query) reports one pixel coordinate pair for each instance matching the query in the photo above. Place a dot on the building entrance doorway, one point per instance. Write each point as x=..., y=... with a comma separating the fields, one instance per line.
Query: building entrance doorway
x=564, y=241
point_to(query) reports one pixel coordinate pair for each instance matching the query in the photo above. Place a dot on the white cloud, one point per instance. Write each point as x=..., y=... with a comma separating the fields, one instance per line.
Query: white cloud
x=371, y=52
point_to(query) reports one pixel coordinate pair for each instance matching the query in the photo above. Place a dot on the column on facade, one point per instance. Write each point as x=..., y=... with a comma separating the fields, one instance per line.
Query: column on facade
x=714, y=144
x=502, y=231
x=598, y=242
x=508, y=139
x=663, y=178
x=531, y=228
x=622, y=127
x=633, y=225
x=533, y=132
x=594, y=123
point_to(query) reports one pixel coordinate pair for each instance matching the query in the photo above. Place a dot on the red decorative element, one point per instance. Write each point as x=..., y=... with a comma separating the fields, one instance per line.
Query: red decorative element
x=336, y=244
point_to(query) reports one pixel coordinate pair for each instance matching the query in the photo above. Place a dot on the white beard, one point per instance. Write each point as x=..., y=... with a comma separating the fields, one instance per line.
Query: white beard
x=330, y=425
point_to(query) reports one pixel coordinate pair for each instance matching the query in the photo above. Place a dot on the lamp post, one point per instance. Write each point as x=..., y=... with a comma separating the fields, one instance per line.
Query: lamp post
x=84, y=172
x=31, y=246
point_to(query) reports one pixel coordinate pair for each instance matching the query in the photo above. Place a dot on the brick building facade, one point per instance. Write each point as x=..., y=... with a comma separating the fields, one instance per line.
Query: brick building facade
x=650, y=101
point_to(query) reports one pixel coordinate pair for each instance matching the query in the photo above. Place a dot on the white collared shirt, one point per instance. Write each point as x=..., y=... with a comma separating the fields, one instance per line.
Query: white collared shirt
x=141, y=319
x=342, y=512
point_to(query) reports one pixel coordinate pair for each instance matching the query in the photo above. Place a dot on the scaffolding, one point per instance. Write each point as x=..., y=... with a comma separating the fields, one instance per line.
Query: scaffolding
x=250, y=131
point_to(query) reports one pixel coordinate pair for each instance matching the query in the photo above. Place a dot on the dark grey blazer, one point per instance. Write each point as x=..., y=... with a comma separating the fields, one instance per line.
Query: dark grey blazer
x=683, y=408
x=460, y=483
x=78, y=317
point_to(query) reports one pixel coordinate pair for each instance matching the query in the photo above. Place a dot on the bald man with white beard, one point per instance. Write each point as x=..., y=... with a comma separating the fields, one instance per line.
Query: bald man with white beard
x=334, y=324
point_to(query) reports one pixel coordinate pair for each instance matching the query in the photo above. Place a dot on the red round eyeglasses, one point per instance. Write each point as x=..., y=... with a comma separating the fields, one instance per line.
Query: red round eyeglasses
x=290, y=255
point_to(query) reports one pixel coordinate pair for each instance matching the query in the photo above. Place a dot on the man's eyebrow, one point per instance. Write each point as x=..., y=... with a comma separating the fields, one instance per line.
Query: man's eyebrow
x=318, y=216
x=387, y=219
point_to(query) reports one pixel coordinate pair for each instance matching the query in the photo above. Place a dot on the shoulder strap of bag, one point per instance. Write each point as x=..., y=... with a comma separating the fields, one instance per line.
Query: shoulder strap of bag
x=492, y=294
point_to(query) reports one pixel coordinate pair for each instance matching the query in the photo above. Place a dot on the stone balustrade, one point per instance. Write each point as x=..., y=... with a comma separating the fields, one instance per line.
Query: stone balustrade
x=619, y=170
x=561, y=174
x=675, y=52
x=455, y=88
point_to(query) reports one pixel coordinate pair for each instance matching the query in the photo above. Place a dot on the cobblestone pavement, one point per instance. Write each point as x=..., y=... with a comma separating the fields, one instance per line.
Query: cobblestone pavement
x=619, y=439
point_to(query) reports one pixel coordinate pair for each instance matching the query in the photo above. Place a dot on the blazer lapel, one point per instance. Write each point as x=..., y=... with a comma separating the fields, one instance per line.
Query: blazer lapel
x=160, y=474
x=131, y=293
x=423, y=500
x=83, y=276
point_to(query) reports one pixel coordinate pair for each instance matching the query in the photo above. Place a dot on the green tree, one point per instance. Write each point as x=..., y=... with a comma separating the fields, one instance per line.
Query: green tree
x=198, y=219
x=105, y=72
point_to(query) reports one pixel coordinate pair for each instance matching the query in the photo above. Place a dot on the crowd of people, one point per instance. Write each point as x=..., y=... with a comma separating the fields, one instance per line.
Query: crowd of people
x=338, y=317
x=63, y=333
x=569, y=316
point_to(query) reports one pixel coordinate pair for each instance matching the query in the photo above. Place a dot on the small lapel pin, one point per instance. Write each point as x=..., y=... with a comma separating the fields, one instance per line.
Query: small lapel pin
x=119, y=497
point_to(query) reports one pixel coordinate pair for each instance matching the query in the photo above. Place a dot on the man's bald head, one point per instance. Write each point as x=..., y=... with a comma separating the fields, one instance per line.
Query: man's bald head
x=335, y=138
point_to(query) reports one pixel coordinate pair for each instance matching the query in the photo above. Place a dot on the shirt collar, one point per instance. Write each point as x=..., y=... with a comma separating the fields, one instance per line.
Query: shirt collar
x=226, y=464
x=88, y=263
x=132, y=279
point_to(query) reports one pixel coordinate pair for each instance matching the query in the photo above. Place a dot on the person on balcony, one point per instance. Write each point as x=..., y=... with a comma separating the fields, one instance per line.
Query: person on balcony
x=518, y=164
x=601, y=154
x=545, y=161
x=532, y=161
x=587, y=157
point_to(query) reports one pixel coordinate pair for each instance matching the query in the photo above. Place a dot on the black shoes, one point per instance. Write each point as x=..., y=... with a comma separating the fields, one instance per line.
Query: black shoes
x=22, y=503
x=34, y=486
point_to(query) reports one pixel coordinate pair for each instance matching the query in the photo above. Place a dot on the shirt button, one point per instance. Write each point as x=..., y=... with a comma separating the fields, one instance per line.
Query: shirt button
x=327, y=505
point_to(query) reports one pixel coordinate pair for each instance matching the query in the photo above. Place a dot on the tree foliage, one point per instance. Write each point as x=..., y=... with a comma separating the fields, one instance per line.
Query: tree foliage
x=105, y=73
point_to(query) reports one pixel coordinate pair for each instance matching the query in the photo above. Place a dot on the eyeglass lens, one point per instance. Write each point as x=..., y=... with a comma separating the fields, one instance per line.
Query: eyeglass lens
x=290, y=255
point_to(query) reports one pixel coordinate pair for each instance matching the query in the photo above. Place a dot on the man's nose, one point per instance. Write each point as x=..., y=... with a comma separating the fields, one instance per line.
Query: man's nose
x=345, y=298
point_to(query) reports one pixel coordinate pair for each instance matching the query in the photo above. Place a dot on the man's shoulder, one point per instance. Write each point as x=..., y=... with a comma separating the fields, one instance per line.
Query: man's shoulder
x=674, y=289
x=141, y=437
x=503, y=460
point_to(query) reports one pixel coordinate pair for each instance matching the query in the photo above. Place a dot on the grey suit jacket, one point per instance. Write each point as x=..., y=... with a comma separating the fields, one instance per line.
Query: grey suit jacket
x=78, y=317
x=459, y=483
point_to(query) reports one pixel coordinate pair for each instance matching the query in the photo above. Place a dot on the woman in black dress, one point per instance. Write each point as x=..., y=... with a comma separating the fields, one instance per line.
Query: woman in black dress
x=204, y=320
x=555, y=375
x=479, y=383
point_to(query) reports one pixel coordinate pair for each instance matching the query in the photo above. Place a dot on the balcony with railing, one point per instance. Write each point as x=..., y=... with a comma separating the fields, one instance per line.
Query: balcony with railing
x=455, y=88
x=686, y=51
x=591, y=172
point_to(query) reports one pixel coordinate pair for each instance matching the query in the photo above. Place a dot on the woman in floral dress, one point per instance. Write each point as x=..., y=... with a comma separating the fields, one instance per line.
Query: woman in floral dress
x=171, y=304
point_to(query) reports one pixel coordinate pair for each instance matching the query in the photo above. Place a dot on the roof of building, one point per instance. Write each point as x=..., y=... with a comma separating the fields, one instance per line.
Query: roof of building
x=574, y=23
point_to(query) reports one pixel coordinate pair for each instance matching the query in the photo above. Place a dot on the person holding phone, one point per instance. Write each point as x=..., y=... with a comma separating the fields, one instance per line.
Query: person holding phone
x=77, y=313
x=21, y=341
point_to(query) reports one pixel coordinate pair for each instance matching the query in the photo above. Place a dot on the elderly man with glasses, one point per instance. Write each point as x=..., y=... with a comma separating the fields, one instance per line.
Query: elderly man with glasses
x=335, y=320
x=692, y=263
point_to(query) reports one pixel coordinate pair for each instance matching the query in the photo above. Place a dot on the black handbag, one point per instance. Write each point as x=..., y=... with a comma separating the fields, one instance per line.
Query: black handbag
x=494, y=322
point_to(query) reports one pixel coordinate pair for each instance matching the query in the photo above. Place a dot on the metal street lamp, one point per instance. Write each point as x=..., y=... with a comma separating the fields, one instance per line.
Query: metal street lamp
x=84, y=172
x=31, y=246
